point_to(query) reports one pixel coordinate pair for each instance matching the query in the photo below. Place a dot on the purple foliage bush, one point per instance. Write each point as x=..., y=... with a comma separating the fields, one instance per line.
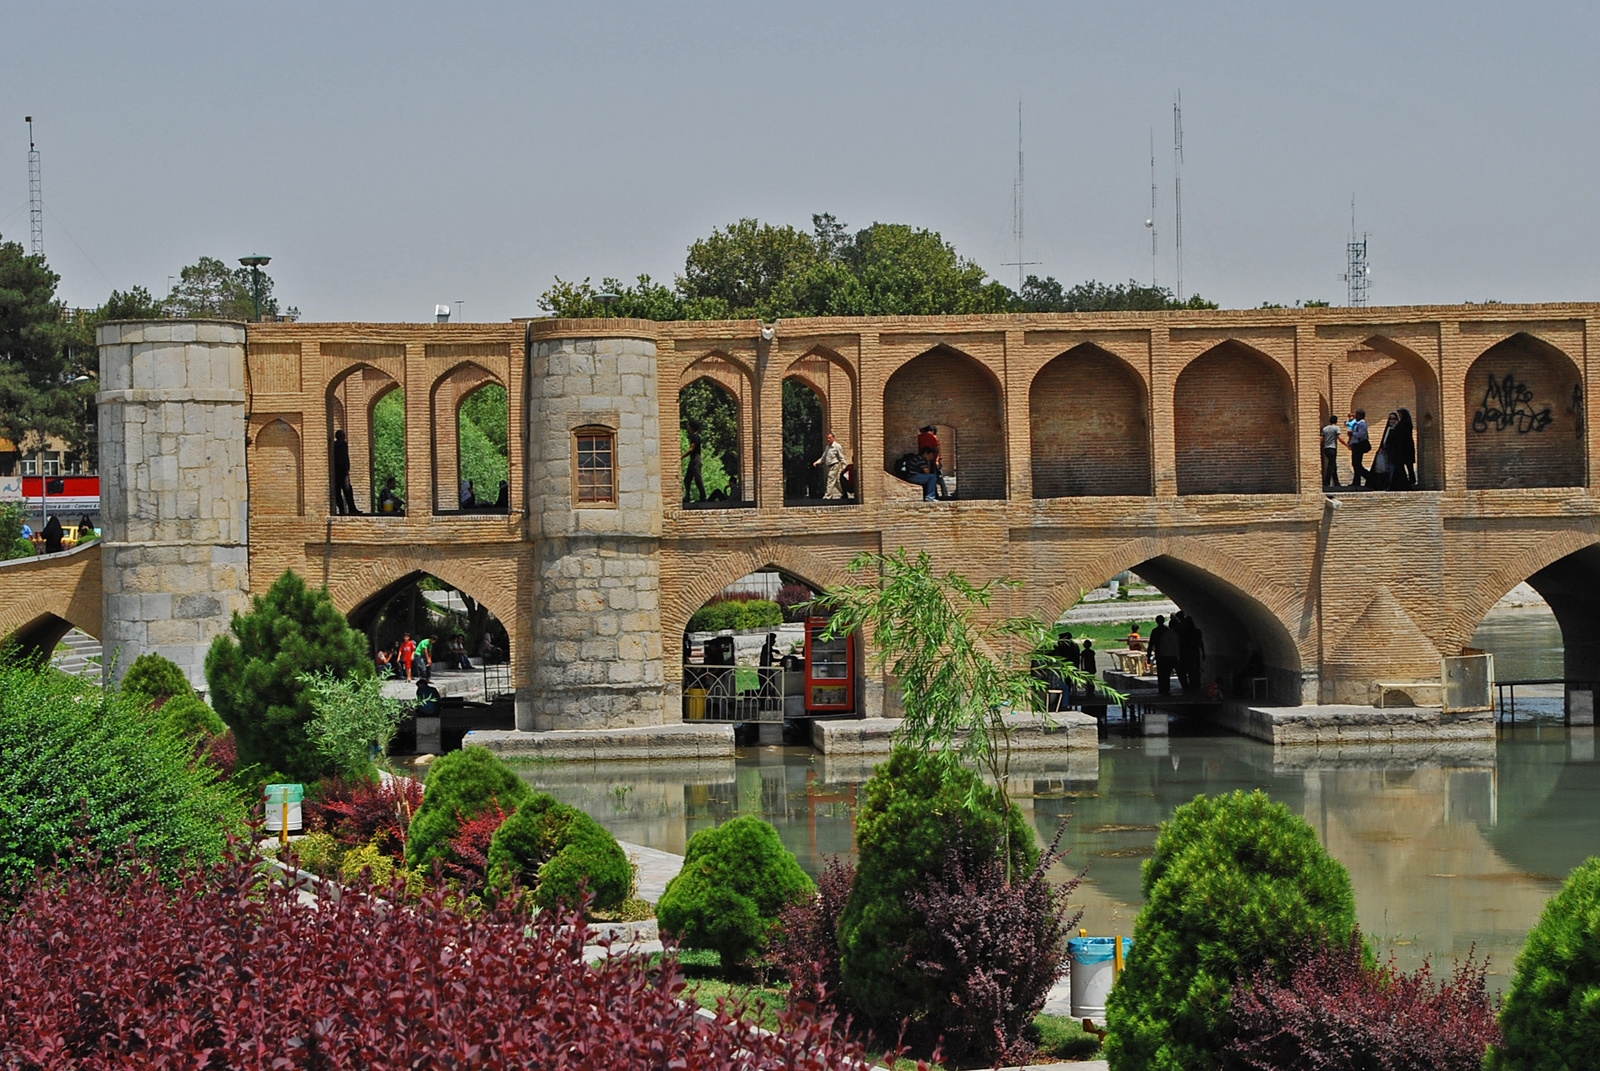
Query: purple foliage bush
x=791, y=596
x=807, y=945
x=358, y=812
x=223, y=967
x=1336, y=1012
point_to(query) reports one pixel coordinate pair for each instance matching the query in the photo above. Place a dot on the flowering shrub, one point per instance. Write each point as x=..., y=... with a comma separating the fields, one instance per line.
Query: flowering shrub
x=1335, y=1012
x=357, y=811
x=227, y=969
x=994, y=950
x=807, y=946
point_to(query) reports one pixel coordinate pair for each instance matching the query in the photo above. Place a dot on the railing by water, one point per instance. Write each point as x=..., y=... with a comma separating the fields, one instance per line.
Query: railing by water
x=732, y=693
x=1506, y=695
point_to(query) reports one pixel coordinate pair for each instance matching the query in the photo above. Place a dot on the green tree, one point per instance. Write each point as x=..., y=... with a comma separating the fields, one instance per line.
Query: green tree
x=744, y=264
x=388, y=443
x=351, y=717
x=209, y=289
x=40, y=393
x=802, y=435
x=482, y=440
x=12, y=545
x=646, y=300
x=717, y=414
x=1237, y=883
x=910, y=271
x=256, y=674
x=1048, y=295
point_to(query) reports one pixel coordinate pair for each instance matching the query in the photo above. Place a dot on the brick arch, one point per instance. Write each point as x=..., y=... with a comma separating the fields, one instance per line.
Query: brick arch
x=1408, y=382
x=445, y=395
x=37, y=593
x=946, y=387
x=1233, y=419
x=1474, y=600
x=704, y=580
x=362, y=394
x=1525, y=416
x=1089, y=426
x=277, y=486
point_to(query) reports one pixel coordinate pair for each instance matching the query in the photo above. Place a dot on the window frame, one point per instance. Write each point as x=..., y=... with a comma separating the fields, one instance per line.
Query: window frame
x=593, y=431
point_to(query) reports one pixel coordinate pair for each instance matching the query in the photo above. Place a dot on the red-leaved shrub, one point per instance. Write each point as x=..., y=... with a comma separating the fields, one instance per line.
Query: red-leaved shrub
x=221, y=751
x=807, y=945
x=226, y=968
x=1336, y=1012
x=790, y=597
x=467, y=861
x=359, y=812
x=995, y=948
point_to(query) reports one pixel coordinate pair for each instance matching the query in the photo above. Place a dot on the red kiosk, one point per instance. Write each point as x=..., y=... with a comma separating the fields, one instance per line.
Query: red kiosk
x=830, y=670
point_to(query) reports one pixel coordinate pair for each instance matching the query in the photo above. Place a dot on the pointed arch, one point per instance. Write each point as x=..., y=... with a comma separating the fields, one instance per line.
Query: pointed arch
x=698, y=584
x=1089, y=425
x=951, y=389
x=1233, y=409
x=1525, y=416
x=276, y=489
x=352, y=397
x=445, y=395
x=1406, y=381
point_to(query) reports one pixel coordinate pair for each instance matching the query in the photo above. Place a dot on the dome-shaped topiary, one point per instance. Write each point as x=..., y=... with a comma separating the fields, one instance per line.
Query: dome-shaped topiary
x=736, y=880
x=914, y=809
x=458, y=786
x=1551, y=1017
x=156, y=679
x=1237, y=883
x=556, y=851
x=188, y=715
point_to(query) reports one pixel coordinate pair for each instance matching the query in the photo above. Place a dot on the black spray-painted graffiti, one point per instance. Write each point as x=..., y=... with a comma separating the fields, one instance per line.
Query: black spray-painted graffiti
x=1509, y=404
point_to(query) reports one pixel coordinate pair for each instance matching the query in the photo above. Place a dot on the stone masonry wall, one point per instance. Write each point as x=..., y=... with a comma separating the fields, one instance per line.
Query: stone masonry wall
x=174, y=492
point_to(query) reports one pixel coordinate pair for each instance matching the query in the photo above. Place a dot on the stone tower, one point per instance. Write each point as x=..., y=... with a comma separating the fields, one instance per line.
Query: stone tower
x=597, y=598
x=174, y=496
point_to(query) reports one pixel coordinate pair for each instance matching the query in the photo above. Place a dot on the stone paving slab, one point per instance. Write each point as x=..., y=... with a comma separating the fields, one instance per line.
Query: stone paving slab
x=656, y=868
x=677, y=741
x=1342, y=723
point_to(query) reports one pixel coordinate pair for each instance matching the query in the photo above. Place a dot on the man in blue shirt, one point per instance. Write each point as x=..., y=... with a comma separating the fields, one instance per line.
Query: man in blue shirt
x=1359, y=445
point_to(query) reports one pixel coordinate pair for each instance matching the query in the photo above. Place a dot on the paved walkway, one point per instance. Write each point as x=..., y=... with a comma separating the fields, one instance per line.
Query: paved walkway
x=656, y=868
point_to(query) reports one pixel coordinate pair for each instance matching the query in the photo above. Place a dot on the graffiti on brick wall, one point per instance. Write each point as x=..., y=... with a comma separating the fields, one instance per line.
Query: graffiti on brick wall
x=1509, y=404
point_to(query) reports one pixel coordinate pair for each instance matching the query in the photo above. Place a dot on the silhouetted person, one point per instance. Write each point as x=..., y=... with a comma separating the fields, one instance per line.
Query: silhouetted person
x=52, y=535
x=1403, y=454
x=390, y=501
x=85, y=528
x=1191, y=655
x=504, y=501
x=344, y=494
x=697, y=449
x=1164, y=651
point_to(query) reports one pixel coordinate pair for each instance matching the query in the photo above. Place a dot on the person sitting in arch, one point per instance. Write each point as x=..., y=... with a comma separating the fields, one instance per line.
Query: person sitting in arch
x=469, y=496
x=390, y=501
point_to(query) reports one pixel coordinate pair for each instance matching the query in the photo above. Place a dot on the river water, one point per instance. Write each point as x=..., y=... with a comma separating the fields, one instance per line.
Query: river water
x=1448, y=848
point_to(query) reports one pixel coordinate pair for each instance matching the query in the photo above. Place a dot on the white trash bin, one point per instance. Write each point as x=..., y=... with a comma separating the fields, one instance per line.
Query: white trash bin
x=1093, y=969
x=281, y=804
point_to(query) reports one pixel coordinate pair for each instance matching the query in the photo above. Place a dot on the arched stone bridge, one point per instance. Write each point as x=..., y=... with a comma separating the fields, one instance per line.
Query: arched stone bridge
x=1181, y=444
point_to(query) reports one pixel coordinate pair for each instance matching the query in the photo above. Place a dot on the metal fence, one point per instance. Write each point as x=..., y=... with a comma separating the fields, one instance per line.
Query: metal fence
x=497, y=679
x=732, y=693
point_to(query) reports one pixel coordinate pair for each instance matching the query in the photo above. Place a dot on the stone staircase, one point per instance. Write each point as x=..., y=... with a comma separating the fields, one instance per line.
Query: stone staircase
x=78, y=654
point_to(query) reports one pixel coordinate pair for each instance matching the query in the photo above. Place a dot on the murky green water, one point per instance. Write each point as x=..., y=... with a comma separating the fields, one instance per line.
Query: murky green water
x=1448, y=847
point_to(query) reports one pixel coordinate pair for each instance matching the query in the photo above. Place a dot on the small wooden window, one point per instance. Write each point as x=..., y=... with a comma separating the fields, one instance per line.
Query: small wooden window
x=595, y=466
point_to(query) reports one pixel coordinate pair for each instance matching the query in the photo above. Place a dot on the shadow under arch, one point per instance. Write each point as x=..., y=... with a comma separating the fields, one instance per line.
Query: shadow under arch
x=1570, y=583
x=1408, y=382
x=1245, y=633
x=364, y=615
x=34, y=642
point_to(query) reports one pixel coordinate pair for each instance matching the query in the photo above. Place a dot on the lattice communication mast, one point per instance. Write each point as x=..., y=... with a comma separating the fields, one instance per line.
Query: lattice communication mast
x=1357, y=273
x=1016, y=210
x=1177, y=192
x=35, y=198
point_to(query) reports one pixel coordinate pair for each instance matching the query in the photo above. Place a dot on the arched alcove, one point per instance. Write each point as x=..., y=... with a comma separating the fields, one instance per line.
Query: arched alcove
x=276, y=486
x=1088, y=419
x=804, y=424
x=947, y=388
x=451, y=398
x=361, y=401
x=1233, y=418
x=1570, y=586
x=1405, y=381
x=715, y=396
x=1525, y=419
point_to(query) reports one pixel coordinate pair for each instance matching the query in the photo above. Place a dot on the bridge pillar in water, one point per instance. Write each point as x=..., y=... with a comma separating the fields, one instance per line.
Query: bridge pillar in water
x=174, y=493
x=596, y=651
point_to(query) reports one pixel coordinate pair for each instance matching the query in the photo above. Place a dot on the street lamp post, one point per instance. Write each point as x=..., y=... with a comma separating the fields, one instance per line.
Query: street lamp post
x=255, y=264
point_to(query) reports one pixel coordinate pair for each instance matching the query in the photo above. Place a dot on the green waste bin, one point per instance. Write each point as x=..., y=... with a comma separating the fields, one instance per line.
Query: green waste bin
x=282, y=805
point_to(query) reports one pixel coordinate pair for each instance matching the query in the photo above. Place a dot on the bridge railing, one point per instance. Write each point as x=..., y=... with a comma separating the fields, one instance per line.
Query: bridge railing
x=732, y=693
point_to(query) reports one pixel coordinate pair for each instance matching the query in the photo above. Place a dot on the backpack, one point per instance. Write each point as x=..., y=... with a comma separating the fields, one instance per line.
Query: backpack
x=908, y=464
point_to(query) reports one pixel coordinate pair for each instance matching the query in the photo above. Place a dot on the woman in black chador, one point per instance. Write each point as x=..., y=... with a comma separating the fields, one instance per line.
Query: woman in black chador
x=1402, y=446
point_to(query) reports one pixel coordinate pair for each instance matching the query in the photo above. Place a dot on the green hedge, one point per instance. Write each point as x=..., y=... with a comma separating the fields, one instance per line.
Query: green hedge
x=1237, y=883
x=459, y=786
x=736, y=879
x=555, y=851
x=1551, y=1017
x=736, y=614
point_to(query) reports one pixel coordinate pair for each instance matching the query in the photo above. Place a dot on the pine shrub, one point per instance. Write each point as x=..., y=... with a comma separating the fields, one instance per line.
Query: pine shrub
x=189, y=716
x=1237, y=884
x=736, y=880
x=556, y=851
x=1551, y=1016
x=914, y=807
x=80, y=763
x=256, y=672
x=157, y=679
x=1338, y=1012
x=459, y=786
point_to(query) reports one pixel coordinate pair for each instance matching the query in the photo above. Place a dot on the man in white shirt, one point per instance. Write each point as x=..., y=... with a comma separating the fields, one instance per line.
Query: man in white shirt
x=1330, y=455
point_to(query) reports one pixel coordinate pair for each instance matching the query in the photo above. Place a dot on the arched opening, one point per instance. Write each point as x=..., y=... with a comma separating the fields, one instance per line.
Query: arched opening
x=359, y=402
x=470, y=450
x=1234, y=424
x=389, y=452
x=36, y=642
x=714, y=434
x=804, y=425
x=1548, y=628
x=276, y=489
x=1088, y=420
x=947, y=389
x=1525, y=421
x=818, y=400
x=747, y=657
x=1402, y=379
x=1246, y=649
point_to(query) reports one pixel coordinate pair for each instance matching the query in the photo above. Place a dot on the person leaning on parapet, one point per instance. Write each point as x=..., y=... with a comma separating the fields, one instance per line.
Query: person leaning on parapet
x=918, y=469
x=692, y=476
x=343, y=493
x=1164, y=650
x=503, y=503
x=390, y=501
x=832, y=462
x=1359, y=443
x=928, y=444
x=1330, y=454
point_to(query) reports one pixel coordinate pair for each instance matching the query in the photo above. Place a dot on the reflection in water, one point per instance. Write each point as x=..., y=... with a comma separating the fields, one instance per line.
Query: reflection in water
x=1447, y=848
x=1525, y=642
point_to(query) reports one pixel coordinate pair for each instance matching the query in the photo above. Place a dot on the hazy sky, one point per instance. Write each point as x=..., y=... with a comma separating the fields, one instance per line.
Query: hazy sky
x=392, y=156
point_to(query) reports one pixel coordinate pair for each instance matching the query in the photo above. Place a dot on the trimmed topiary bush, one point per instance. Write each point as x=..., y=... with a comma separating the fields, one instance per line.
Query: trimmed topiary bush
x=914, y=808
x=459, y=785
x=1551, y=1016
x=80, y=763
x=157, y=679
x=737, y=879
x=188, y=715
x=1238, y=883
x=556, y=851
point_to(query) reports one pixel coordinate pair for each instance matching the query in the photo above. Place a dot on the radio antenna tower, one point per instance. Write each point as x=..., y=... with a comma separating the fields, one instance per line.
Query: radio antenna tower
x=1151, y=222
x=35, y=199
x=1356, y=273
x=1016, y=208
x=1177, y=190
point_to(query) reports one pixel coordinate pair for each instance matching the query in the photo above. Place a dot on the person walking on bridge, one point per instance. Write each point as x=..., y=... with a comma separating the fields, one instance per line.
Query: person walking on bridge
x=343, y=493
x=1360, y=443
x=1164, y=649
x=832, y=462
x=1191, y=655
